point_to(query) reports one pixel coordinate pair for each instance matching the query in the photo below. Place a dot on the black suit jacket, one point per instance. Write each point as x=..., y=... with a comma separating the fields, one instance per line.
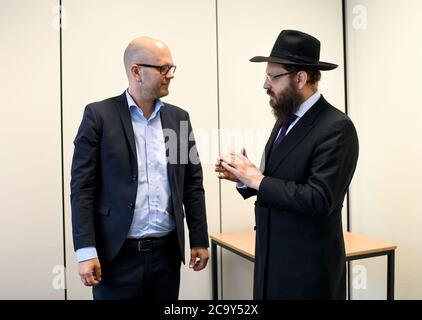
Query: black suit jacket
x=299, y=240
x=105, y=178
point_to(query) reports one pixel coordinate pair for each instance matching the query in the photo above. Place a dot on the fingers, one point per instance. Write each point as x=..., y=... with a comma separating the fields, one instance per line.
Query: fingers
x=219, y=168
x=228, y=159
x=90, y=272
x=222, y=175
x=201, y=263
x=231, y=157
x=229, y=173
x=89, y=280
x=97, y=273
x=197, y=263
x=235, y=159
x=192, y=261
x=199, y=258
x=229, y=168
x=229, y=165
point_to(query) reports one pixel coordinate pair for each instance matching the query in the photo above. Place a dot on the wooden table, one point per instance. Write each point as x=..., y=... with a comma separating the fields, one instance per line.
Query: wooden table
x=357, y=247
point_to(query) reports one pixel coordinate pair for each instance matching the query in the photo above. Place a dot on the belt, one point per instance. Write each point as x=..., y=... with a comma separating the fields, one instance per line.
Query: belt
x=149, y=243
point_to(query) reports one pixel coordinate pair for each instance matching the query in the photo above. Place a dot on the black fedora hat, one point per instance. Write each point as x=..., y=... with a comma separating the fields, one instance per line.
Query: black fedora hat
x=296, y=48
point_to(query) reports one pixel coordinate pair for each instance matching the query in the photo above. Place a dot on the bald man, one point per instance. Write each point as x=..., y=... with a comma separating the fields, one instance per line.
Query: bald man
x=135, y=176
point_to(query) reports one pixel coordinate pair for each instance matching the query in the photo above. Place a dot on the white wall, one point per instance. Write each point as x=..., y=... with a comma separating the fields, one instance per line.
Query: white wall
x=384, y=53
x=31, y=239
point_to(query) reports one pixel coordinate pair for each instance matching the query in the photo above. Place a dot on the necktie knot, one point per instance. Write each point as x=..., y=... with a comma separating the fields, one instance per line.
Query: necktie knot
x=290, y=120
x=283, y=131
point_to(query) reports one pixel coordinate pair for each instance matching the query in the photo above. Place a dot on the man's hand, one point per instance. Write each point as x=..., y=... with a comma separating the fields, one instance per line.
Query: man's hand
x=223, y=173
x=198, y=258
x=239, y=167
x=90, y=272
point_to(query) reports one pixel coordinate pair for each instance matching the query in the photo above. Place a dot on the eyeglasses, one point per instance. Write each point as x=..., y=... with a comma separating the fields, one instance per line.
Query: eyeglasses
x=164, y=70
x=271, y=78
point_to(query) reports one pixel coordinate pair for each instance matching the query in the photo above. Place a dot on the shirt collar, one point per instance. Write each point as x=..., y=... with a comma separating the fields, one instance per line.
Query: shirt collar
x=131, y=103
x=306, y=105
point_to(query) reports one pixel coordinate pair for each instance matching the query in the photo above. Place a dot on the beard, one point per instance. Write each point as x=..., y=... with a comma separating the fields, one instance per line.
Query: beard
x=286, y=103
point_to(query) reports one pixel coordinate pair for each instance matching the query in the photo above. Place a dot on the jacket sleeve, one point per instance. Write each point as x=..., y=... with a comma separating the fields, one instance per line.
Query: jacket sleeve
x=84, y=180
x=246, y=192
x=194, y=196
x=334, y=162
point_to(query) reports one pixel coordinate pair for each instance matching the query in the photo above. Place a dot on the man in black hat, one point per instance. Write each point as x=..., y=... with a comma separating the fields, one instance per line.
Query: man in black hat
x=308, y=164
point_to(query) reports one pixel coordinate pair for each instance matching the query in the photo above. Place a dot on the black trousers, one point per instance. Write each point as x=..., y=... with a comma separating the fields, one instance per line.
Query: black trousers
x=141, y=274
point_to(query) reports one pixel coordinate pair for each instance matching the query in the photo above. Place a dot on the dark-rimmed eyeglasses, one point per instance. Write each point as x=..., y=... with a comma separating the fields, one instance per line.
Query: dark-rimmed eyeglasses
x=271, y=78
x=164, y=70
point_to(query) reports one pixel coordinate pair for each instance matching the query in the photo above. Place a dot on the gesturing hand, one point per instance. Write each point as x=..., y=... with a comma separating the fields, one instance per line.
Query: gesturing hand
x=237, y=167
x=223, y=173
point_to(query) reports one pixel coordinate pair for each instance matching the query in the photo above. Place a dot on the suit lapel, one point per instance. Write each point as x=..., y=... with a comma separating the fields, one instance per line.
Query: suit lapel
x=167, y=123
x=170, y=121
x=294, y=137
x=126, y=121
x=166, y=120
x=270, y=141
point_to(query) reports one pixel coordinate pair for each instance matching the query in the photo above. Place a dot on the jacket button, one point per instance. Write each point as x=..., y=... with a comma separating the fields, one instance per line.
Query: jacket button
x=131, y=205
x=134, y=177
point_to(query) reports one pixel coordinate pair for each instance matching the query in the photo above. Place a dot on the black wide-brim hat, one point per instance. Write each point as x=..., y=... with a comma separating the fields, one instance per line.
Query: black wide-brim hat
x=296, y=48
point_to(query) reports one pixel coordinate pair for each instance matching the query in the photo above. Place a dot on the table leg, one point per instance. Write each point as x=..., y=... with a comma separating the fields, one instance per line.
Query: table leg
x=390, y=276
x=214, y=267
x=349, y=280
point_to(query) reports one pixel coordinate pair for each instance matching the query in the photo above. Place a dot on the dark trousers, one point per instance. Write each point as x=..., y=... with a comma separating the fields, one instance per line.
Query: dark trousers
x=141, y=274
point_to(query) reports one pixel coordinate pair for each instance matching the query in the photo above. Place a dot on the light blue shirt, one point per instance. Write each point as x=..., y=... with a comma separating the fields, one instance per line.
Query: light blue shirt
x=153, y=215
x=304, y=107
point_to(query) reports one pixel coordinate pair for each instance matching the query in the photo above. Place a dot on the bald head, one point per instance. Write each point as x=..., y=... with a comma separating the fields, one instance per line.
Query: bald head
x=144, y=50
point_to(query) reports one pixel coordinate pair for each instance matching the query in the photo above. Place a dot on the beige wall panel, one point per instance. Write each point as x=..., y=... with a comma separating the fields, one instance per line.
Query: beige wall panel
x=246, y=29
x=31, y=236
x=384, y=52
x=93, y=43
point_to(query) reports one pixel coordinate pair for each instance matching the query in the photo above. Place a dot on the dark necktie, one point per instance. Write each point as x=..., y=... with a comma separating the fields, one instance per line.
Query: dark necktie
x=286, y=124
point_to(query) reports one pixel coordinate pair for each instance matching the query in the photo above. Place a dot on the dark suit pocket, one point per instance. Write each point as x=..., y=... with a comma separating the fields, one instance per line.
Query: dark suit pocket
x=105, y=211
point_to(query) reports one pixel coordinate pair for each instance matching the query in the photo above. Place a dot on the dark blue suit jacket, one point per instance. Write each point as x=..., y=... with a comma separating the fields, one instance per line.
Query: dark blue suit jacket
x=299, y=239
x=105, y=178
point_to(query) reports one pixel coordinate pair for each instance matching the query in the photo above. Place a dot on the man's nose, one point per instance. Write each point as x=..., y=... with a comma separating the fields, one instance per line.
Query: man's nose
x=170, y=75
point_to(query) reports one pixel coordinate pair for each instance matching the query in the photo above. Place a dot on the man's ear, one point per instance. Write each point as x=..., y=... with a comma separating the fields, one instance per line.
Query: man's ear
x=302, y=79
x=135, y=71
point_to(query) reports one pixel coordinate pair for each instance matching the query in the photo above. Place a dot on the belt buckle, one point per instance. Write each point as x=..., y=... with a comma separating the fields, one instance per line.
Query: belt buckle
x=140, y=245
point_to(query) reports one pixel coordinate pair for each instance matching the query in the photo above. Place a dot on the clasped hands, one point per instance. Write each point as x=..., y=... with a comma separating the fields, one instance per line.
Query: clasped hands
x=237, y=167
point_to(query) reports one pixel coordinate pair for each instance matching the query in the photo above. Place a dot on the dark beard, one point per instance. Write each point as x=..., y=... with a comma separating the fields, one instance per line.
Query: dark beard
x=287, y=103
